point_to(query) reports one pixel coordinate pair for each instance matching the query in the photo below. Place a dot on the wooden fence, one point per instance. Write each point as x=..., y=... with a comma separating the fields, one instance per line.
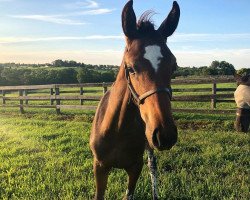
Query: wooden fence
x=56, y=95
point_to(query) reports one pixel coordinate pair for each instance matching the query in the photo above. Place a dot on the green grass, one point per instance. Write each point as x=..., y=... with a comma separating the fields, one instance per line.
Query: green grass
x=45, y=156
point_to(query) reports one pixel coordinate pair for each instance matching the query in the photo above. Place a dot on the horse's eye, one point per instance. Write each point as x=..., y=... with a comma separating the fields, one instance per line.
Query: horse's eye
x=131, y=70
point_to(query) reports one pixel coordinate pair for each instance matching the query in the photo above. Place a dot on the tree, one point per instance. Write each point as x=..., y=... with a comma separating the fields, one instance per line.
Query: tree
x=108, y=76
x=58, y=63
x=215, y=64
x=12, y=76
x=226, y=68
x=84, y=75
x=66, y=76
x=214, y=68
x=221, y=68
x=73, y=63
x=243, y=71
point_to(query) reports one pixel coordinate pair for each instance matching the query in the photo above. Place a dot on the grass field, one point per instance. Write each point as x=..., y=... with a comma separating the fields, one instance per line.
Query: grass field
x=45, y=156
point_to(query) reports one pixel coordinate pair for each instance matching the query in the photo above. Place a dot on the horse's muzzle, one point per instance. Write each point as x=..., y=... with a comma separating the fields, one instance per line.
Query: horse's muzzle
x=164, y=139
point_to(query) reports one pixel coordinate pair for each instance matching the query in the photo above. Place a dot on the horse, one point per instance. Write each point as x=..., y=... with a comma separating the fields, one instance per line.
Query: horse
x=242, y=99
x=135, y=114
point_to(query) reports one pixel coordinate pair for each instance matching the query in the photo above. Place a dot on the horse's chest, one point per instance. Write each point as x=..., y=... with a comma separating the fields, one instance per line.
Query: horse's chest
x=121, y=151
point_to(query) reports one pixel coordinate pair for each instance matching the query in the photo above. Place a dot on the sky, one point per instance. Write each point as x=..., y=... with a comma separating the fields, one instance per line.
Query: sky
x=89, y=31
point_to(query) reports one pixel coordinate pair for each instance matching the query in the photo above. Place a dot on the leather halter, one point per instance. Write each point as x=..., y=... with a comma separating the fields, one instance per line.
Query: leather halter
x=139, y=99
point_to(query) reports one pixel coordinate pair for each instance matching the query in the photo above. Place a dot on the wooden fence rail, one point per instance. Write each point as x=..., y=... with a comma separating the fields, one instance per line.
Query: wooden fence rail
x=55, y=96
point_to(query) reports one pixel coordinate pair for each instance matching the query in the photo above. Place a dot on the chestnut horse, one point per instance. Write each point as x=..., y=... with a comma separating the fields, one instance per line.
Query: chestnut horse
x=136, y=112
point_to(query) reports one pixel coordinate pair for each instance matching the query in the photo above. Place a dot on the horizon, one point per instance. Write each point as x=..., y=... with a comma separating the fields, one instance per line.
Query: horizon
x=99, y=65
x=41, y=32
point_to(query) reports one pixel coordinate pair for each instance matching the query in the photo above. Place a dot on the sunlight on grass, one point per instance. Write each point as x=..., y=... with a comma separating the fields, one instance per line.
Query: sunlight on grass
x=46, y=156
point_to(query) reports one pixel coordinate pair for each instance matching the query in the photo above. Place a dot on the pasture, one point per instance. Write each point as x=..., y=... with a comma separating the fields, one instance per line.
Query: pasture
x=47, y=156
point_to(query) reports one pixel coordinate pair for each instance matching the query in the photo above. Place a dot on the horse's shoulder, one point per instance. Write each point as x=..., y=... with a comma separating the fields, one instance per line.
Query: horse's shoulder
x=103, y=103
x=101, y=109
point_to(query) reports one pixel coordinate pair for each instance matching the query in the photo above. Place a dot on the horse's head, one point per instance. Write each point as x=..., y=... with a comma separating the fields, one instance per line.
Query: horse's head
x=242, y=79
x=149, y=65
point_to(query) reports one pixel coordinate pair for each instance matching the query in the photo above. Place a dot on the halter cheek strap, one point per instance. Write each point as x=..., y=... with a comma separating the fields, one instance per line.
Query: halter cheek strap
x=140, y=98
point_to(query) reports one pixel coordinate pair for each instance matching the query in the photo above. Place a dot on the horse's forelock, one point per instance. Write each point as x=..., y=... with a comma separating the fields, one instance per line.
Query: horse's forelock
x=145, y=24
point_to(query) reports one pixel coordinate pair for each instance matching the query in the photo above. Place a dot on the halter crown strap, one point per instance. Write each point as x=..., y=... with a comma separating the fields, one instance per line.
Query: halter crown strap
x=140, y=98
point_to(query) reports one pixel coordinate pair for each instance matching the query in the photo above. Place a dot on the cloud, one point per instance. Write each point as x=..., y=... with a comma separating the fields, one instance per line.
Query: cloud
x=49, y=18
x=91, y=12
x=238, y=57
x=11, y=40
x=82, y=4
x=92, y=4
x=176, y=38
x=61, y=19
x=92, y=8
x=103, y=37
x=187, y=55
x=94, y=57
x=197, y=37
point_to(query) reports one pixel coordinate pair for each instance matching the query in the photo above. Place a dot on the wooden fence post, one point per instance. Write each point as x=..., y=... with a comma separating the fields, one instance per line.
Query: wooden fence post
x=21, y=101
x=213, y=99
x=58, y=102
x=25, y=93
x=51, y=94
x=105, y=88
x=3, y=94
x=81, y=93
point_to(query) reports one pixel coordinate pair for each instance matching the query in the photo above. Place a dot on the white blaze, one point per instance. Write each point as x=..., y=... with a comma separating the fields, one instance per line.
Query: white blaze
x=153, y=55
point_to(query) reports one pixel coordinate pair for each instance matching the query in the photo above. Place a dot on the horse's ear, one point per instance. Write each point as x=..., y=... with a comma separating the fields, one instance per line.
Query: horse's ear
x=129, y=20
x=169, y=25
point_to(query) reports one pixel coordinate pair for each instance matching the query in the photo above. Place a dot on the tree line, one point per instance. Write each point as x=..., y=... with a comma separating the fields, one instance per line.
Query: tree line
x=216, y=68
x=66, y=72
x=60, y=63
x=57, y=72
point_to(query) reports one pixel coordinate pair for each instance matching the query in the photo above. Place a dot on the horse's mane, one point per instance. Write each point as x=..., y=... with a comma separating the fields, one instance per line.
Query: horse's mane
x=245, y=78
x=145, y=25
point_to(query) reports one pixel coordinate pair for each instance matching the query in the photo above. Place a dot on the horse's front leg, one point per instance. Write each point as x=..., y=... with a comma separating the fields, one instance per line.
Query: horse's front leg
x=101, y=177
x=153, y=172
x=133, y=175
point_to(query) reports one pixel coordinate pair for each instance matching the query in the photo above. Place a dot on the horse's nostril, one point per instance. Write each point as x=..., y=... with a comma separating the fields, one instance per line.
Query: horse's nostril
x=156, y=138
x=164, y=139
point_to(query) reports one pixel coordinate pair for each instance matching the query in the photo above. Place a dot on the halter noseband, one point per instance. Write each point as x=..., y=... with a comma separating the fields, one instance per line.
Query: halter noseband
x=139, y=99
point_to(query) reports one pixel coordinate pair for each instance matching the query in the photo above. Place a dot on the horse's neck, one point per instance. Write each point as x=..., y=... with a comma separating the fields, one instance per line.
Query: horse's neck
x=117, y=105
